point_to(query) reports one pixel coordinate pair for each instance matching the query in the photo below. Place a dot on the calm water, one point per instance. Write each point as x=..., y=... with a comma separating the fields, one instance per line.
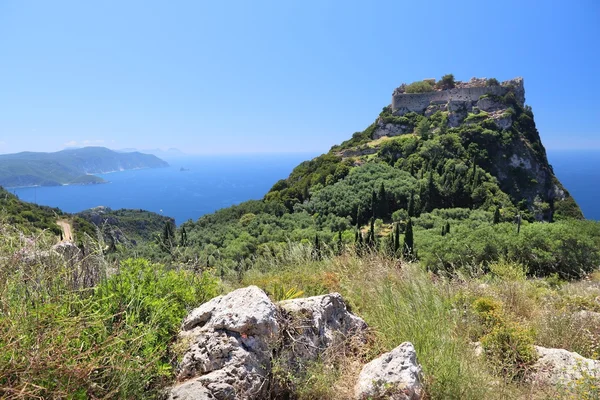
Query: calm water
x=209, y=184
x=579, y=172
x=216, y=182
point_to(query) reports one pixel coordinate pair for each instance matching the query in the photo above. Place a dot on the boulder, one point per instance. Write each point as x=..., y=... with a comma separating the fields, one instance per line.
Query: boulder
x=395, y=375
x=229, y=352
x=317, y=323
x=562, y=367
x=232, y=339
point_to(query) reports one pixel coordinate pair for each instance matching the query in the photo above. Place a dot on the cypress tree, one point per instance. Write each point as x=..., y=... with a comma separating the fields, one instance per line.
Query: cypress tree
x=371, y=236
x=340, y=243
x=373, y=203
x=411, y=205
x=447, y=228
x=168, y=236
x=497, y=215
x=408, y=249
x=317, y=249
x=397, y=239
x=383, y=203
x=183, y=240
x=358, y=217
x=443, y=230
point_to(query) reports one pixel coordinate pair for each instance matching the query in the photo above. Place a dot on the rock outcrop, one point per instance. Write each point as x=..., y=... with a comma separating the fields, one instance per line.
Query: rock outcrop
x=562, y=367
x=232, y=340
x=395, y=375
x=556, y=366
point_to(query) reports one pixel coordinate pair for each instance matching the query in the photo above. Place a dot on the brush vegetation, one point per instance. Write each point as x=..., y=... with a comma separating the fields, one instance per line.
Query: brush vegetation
x=433, y=237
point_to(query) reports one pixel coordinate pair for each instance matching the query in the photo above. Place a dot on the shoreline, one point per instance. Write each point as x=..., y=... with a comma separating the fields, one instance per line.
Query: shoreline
x=97, y=174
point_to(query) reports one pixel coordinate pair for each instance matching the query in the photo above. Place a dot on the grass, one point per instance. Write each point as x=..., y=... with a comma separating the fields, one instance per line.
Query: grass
x=79, y=327
x=72, y=330
x=403, y=302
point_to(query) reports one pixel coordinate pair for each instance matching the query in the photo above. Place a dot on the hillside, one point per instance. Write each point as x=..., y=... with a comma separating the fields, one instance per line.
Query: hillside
x=441, y=224
x=73, y=166
x=26, y=216
x=459, y=157
x=128, y=227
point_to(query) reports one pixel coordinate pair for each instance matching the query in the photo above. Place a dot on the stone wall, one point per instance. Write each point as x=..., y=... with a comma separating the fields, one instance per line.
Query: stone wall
x=418, y=102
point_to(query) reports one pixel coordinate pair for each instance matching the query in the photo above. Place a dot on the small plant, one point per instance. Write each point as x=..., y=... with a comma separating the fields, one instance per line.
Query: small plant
x=489, y=310
x=492, y=82
x=280, y=293
x=509, y=347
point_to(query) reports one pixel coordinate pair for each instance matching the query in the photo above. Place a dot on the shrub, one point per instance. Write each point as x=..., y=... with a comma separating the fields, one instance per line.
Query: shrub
x=419, y=87
x=492, y=82
x=506, y=344
x=510, y=348
x=447, y=82
x=108, y=342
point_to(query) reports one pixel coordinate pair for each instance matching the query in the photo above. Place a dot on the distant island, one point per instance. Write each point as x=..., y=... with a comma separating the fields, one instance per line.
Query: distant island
x=69, y=167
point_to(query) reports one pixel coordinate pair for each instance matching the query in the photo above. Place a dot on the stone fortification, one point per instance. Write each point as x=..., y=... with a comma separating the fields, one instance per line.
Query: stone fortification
x=464, y=92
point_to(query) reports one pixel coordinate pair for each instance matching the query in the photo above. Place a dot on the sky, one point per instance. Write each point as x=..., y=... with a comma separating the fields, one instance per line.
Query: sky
x=277, y=76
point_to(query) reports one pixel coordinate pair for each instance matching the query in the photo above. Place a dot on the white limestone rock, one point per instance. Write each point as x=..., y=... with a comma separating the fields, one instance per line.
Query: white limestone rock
x=323, y=321
x=232, y=338
x=562, y=367
x=230, y=346
x=394, y=375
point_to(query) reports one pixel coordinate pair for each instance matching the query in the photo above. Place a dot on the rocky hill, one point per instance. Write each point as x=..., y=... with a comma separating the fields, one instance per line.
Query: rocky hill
x=465, y=144
x=73, y=166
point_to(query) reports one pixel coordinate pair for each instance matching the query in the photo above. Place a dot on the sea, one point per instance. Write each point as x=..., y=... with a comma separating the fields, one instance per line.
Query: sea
x=194, y=186
x=189, y=188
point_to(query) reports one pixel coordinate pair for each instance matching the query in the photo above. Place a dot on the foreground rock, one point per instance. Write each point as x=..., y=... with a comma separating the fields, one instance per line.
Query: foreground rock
x=562, y=367
x=232, y=340
x=394, y=375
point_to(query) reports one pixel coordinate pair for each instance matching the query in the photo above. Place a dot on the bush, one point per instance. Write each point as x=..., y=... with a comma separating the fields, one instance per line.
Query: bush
x=506, y=344
x=447, y=82
x=108, y=342
x=492, y=82
x=510, y=348
x=419, y=87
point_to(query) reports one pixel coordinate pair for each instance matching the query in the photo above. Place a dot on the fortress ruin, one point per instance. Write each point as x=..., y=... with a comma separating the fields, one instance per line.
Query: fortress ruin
x=464, y=92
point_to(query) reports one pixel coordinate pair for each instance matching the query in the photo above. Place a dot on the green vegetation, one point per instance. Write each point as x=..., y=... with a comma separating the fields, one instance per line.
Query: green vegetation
x=447, y=82
x=125, y=228
x=69, y=331
x=69, y=166
x=444, y=236
x=28, y=217
x=419, y=87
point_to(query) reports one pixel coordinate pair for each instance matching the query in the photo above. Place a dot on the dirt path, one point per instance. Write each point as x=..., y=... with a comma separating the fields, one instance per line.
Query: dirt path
x=66, y=228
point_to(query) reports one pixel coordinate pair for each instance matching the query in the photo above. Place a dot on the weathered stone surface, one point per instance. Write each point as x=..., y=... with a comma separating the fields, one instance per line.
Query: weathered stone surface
x=559, y=366
x=248, y=310
x=466, y=92
x=231, y=341
x=388, y=129
x=394, y=375
x=230, y=345
x=323, y=322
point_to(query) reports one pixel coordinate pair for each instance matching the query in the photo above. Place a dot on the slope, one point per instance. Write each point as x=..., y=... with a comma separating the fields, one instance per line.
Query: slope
x=467, y=154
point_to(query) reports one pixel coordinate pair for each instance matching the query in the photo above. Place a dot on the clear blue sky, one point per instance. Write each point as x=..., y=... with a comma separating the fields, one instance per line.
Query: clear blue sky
x=277, y=76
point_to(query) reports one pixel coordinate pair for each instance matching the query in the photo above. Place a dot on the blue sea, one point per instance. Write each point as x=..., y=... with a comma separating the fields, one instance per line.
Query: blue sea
x=211, y=183
x=579, y=172
x=207, y=184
